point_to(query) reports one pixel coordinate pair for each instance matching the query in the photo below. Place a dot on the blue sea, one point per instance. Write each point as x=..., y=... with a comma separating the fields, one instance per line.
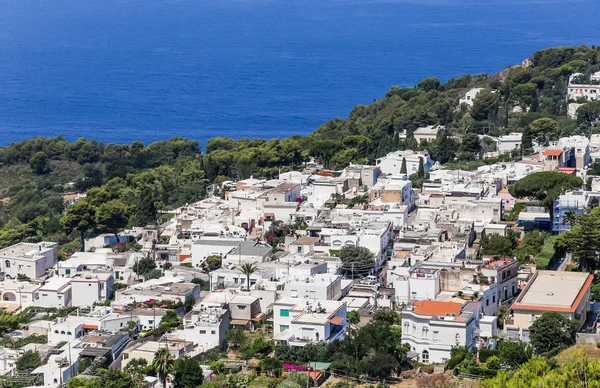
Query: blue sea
x=125, y=70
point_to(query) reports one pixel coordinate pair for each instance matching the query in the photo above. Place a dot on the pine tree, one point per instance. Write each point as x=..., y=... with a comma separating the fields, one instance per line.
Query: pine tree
x=421, y=170
x=403, y=167
x=396, y=141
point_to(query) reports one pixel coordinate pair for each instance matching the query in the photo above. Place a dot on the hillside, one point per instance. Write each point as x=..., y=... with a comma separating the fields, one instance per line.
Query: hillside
x=137, y=180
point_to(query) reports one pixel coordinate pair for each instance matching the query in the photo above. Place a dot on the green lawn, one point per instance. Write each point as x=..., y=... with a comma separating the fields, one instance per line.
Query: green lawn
x=543, y=259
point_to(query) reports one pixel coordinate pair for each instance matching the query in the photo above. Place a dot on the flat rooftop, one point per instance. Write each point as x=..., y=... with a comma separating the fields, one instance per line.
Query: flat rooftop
x=26, y=249
x=554, y=290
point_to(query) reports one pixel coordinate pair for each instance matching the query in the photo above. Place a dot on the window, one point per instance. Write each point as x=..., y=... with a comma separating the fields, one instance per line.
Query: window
x=299, y=249
x=68, y=271
x=457, y=338
x=7, y=264
x=494, y=298
x=202, y=331
x=284, y=313
x=487, y=302
x=213, y=332
x=424, y=333
x=241, y=307
x=425, y=357
x=283, y=328
x=436, y=336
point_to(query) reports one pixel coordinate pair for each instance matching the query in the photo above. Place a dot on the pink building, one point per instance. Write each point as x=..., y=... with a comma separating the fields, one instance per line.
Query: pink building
x=508, y=200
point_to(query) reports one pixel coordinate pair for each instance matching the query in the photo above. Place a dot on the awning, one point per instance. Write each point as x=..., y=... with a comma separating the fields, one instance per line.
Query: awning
x=240, y=322
x=258, y=318
x=269, y=214
x=336, y=320
x=90, y=327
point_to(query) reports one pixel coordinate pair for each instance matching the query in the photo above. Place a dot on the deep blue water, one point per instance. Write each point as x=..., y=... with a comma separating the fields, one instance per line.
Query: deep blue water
x=124, y=70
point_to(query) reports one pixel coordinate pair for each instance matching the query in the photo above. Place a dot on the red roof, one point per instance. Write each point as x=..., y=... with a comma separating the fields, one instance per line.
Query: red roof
x=552, y=153
x=336, y=320
x=567, y=170
x=437, y=308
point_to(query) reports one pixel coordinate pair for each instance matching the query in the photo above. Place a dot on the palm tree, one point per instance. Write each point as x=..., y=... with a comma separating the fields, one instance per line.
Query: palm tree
x=570, y=218
x=163, y=364
x=248, y=269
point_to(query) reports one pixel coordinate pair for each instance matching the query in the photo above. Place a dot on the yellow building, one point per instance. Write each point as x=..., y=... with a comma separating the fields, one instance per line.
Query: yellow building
x=567, y=293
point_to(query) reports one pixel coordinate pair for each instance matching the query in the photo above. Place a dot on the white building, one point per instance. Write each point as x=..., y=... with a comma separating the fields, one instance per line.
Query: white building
x=392, y=162
x=508, y=143
x=469, y=97
x=231, y=250
x=433, y=328
x=66, y=329
x=56, y=292
x=91, y=287
x=581, y=144
x=415, y=283
x=206, y=324
x=16, y=293
x=31, y=260
x=300, y=322
x=588, y=92
x=319, y=287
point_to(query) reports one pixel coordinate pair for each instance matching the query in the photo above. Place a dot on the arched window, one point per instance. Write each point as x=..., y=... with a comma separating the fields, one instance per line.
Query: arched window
x=457, y=338
x=69, y=333
x=6, y=264
x=62, y=332
x=55, y=331
x=425, y=357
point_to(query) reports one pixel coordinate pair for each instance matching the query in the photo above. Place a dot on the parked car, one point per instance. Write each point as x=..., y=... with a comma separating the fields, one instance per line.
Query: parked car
x=145, y=333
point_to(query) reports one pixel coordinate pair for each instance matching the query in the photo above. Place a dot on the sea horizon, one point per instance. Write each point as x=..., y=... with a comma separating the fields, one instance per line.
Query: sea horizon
x=126, y=70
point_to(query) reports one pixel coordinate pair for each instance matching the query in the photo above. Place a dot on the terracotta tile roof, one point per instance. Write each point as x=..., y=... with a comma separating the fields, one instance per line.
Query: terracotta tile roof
x=336, y=320
x=437, y=308
x=553, y=153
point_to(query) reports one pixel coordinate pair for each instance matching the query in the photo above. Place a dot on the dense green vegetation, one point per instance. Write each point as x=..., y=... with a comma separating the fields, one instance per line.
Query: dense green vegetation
x=131, y=183
x=545, y=186
x=542, y=372
x=583, y=240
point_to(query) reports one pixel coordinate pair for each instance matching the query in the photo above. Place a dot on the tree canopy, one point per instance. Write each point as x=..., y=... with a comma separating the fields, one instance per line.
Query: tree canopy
x=552, y=330
x=545, y=186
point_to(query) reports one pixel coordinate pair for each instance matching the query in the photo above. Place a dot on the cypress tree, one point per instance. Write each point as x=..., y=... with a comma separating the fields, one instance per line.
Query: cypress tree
x=421, y=170
x=403, y=167
x=146, y=210
x=527, y=142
